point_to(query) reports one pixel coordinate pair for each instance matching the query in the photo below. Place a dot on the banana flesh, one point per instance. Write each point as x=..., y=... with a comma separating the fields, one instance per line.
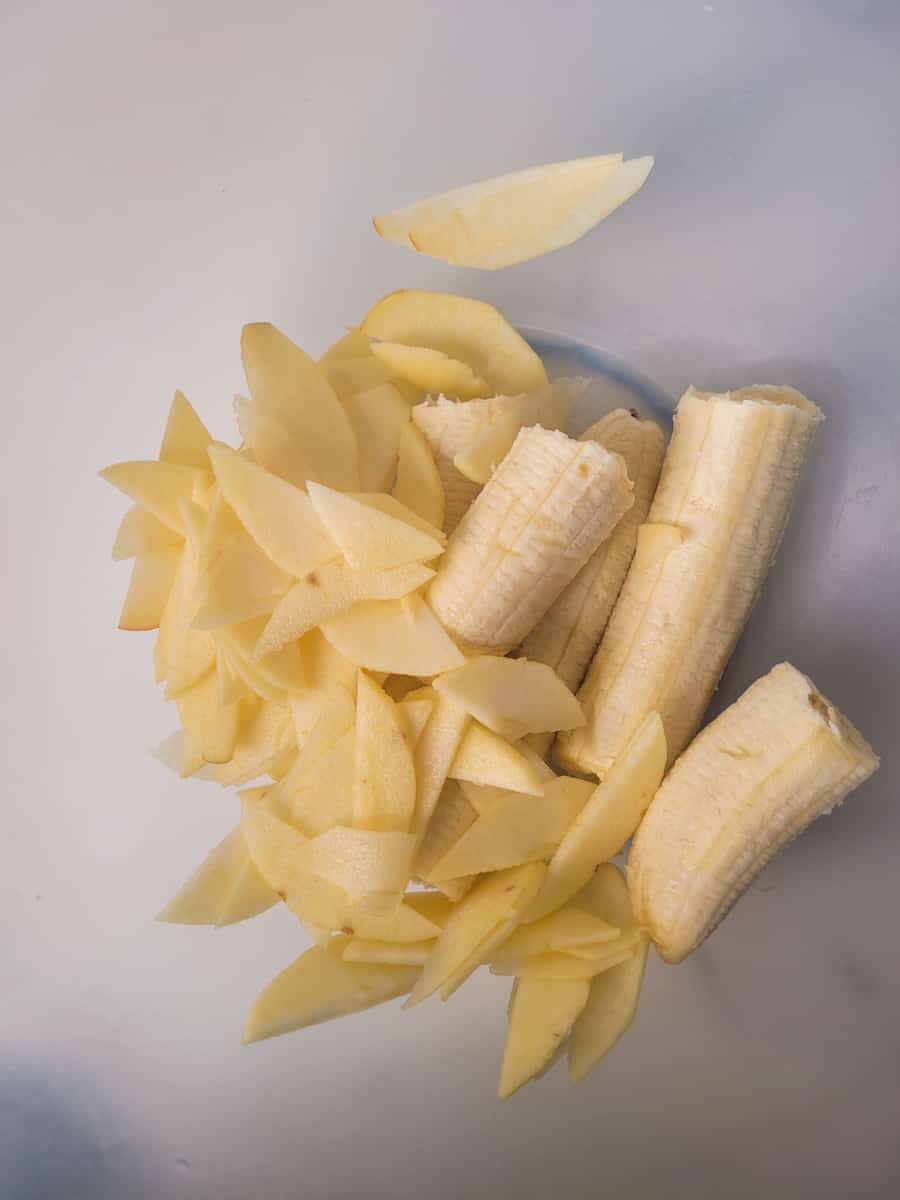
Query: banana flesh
x=567, y=635
x=753, y=780
x=534, y=525
x=724, y=496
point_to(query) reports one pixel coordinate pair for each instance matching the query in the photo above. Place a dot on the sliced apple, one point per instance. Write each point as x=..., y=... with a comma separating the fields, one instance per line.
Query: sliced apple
x=541, y=1014
x=330, y=591
x=567, y=929
x=512, y=696
x=373, y=869
x=418, y=484
x=378, y=415
x=468, y=330
x=186, y=439
x=564, y=965
x=213, y=728
x=225, y=888
x=241, y=584
x=392, y=507
x=486, y=758
x=283, y=669
x=402, y=637
x=152, y=579
x=324, y=797
x=352, y=344
x=515, y=830
x=408, y=954
x=334, y=724
x=431, y=370
x=142, y=533
x=436, y=749
x=188, y=653
x=327, y=673
x=450, y=820
x=481, y=921
x=368, y=538
x=609, y=818
x=513, y=218
x=320, y=986
x=349, y=376
x=287, y=386
x=384, y=787
x=222, y=526
x=261, y=739
x=278, y=516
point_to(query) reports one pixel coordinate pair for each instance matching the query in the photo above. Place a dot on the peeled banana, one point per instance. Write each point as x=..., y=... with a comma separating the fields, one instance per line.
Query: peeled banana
x=544, y=512
x=713, y=528
x=753, y=780
x=567, y=635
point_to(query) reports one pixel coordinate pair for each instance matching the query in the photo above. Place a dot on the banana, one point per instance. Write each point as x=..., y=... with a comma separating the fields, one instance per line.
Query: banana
x=545, y=510
x=451, y=427
x=753, y=780
x=567, y=635
x=715, y=523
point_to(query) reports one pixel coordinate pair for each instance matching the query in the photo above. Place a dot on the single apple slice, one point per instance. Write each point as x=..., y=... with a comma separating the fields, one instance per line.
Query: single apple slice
x=320, y=986
x=481, y=921
x=290, y=389
x=467, y=330
x=324, y=797
x=436, y=749
x=515, y=830
x=351, y=375
x=373, y=869
x=486, y=758
x=416, y=712
x=609, y=818
x=378, y=415
x=541, y=1014
x=331, y=590
x=242, y=583
x=384, y=784
x=513, y=218
x=408, y=954
x=213, y=728
x=261, y=739
x=512, y=696
x=188, y=653
x=392, y=507
x=186, y=439
x=402, y=637
x=450, y=820
x=562, y=964
x=282, y=670
x=431, y=370
x=142, y=533
x=158, y=486
x=352, y=344
x=368, y=538
x=418, y=484
x=224, y=889
x=152, y=579
x=567, y=929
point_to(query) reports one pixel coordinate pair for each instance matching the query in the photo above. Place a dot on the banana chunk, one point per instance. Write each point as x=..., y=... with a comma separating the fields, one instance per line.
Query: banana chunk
x=544, y=512
x=753, y=780
x=726, y=488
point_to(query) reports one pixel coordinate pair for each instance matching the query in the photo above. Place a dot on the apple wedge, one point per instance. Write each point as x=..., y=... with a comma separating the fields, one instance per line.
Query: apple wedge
x=482, y=920
x=225, y=888
x=289, y=389
x=320, y=986
x=142, y=533
x=372, y=869
x=278, y=516
x=158, y=486
x=435, y=751
x=152, y=579
x=242, y=583
x=516, y=829
x=378, y=416
x=384, y=777
x=513, y=218
x=418, y=485
x=186, y=439
x=568, y=929
x=567, y=965
x=402, y=637
x=485, y=758
x=431, y=370
x=212, y=727
x=368, y=538
x=261, y=739
x=330, y=591
x=541, y=1013
x=187, y=653
x=452, y=817
x=468, y=330
x=512, y=696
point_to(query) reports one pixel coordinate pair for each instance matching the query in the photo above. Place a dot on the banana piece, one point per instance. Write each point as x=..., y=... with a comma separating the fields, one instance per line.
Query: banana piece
x=753, y=780
x=452, y=428
x=713, y=528
x=567, y=635
x=546, y=509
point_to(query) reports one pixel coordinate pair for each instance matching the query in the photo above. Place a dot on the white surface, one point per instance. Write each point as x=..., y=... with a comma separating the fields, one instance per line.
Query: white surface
x=171, y=170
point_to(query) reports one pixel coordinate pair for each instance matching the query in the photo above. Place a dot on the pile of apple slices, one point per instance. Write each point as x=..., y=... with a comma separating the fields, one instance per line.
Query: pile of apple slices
x=391, y=793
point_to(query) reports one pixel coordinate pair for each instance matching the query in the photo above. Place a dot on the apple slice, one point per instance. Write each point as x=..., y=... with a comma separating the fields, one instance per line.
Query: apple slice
x=436, y=748
x=513, y=218
x=320, y=986
x=348, y=376
x=515, y=830
x=378, y=415
x=384, y=787
x=567, y=929
x=324, y=797
x=416, y=715
x=481, y=921
x=567, y=965
x=186, y=439
x=242, y=583
x=331, y=590
x=261, y=739
x=541, y=1013
x=152, y=579
x=392, y=507
x=468, y=330
x=609, y=818
x=484, y=757
x=450, y=820
x=222, y=527
x=142, y=533
x=368, y=538
x=512, y=696
x=282, y=670
x=373, y=869
x=278, y=516
x=188, y=653
x=418, y=484
x=431, y=370
x=353, y=344
x=289, y=388
x=409, y=954
x=225, y=888
x=402, y=637
x=158, y=486
x=210, y=726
